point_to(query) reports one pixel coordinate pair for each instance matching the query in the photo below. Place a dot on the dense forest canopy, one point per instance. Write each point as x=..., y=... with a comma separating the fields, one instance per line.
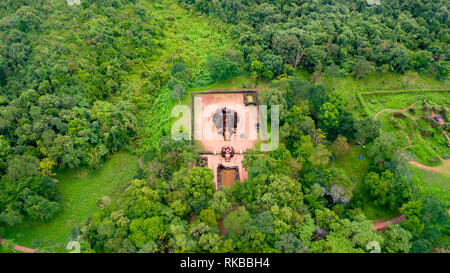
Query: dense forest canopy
x=337, y=36
x=64, y=99
x=78, y=83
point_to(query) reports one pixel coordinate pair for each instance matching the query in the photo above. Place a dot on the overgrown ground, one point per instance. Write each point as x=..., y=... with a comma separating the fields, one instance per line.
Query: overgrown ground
x=187, y=37
x=350, y=87
x=421, y=147
x=408, y=124
x=191, y=38
x=80, y=191
x=357, y=168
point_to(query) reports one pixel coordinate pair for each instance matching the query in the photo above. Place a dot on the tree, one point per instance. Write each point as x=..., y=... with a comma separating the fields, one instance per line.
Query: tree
x=361, y=69
x=287, y=46
x=358, y=229
x=46, y=166
x=222, y=68
x=389, y=189
x=143, y=231
x=221, y=203
x=421, y=60
x=334, y=243
x=7, y=246
x=178, y=92
x=264, y=222
x=5, y=154
x=398, y=59
x=236, y=220
x=340, y=146
x=276, y=95
x=434, y=212
x=210, y=242
x=320, y=156
x=273, y=63
x=209, y=217
x=420, y=246
x=118, y=123
x=199, y=183
x=22, y=166
x=196, y=188
x=289, y=243
x=397, y=239
x=367, y=130
x=382, y=149
x=317, y=96
x=328, y=116
x=314, y=58
x=304, y=147
x=11, y=217
x=411, y=210
x=338, y=185
x=39, y=208
x=378, y=187
x=305, y=230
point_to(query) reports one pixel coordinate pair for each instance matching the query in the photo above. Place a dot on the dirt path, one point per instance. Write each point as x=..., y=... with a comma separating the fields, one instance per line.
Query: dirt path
x=22, y=248
x=387, y=109
x=420, y=136
x=390, y=109
x=444, y=168
x=379, y=226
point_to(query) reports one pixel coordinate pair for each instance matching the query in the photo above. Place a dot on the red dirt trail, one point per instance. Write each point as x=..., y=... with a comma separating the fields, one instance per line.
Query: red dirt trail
x=383, y=225
x=22, y=248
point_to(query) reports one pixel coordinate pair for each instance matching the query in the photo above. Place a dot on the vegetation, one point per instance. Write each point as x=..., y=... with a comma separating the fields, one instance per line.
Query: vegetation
x=80, y=195
x=86, y=94
x=336, y=36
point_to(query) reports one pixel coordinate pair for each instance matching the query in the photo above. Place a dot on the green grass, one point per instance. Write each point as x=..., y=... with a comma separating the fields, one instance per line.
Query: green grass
x=432, y=183
x=232, y=84
x=423, y=152
x=349, y=87
x=189, y=38
x=386, y=80
x=356, y=169
x=407, y=128
x=400, y=101
x=80, y=191
x=372, y=211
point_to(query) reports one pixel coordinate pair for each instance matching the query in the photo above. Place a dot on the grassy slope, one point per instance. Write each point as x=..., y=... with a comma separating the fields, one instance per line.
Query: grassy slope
x=401, y=101
x=423, y=147
x=191, y=39
x=427, y=182
x=80, y=191
x=349, y=86
x=187, y=37
x=432, y=183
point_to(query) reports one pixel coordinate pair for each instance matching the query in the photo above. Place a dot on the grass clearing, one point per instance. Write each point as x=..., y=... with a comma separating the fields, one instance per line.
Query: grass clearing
x=432, y=183
x=80, y=190
x=355, y=167
x=349, y=87
x=356, y=170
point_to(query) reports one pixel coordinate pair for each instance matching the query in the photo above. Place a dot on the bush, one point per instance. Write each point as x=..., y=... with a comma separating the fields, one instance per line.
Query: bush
x=222, y=68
